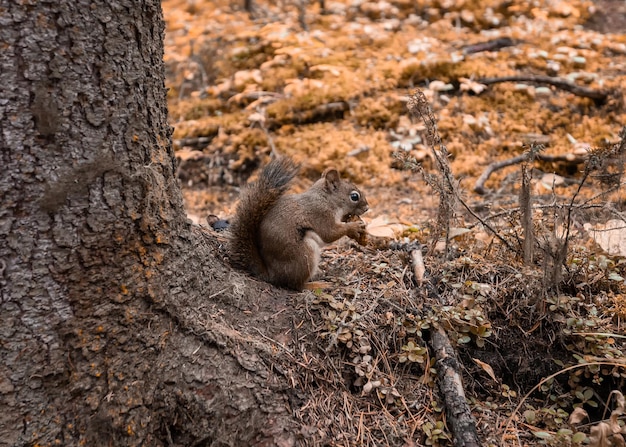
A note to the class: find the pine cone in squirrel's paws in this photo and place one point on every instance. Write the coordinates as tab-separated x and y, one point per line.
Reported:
362	237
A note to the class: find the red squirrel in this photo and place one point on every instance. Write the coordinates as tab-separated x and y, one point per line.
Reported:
278	237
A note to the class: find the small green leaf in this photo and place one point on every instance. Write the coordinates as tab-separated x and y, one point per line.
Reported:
416	358
464	339
542	434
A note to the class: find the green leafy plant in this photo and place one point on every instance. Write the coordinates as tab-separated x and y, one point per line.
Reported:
412	352
435	433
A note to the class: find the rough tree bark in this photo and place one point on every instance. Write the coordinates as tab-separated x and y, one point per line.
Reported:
107	332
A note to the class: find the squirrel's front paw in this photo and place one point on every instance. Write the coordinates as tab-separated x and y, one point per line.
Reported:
357	231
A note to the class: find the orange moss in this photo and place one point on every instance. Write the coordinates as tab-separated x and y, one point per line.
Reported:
368	64
373	113
245	142
194	108
364	157
208	126
446	70
274	79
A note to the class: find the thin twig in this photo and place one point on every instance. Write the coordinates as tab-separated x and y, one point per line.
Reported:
479	187
525	203
510	212
418	106
562	253
270	140
491	45
418	266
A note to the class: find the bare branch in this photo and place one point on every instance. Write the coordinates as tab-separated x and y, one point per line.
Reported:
599	96
479	186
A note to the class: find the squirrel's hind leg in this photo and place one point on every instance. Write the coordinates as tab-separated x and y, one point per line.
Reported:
296	267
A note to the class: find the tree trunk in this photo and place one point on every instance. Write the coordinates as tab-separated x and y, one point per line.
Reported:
117	324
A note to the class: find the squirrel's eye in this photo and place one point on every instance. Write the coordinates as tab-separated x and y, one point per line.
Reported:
355	196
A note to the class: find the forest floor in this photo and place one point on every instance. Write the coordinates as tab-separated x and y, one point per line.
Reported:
331	88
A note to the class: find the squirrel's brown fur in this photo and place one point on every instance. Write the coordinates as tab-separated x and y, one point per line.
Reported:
278	237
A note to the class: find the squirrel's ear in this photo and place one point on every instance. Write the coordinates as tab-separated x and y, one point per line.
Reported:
332	178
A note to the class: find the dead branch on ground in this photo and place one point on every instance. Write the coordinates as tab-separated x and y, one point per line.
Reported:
321	113
479	186
599	96
460	416
460	419
490	45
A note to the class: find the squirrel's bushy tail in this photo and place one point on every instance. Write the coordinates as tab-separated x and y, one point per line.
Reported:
256	200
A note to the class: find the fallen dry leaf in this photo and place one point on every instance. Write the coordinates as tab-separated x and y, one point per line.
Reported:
551	180
599	434
335	70
381	227
473	86
617	412
256	117
487	368
611	236
578	415
456	232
